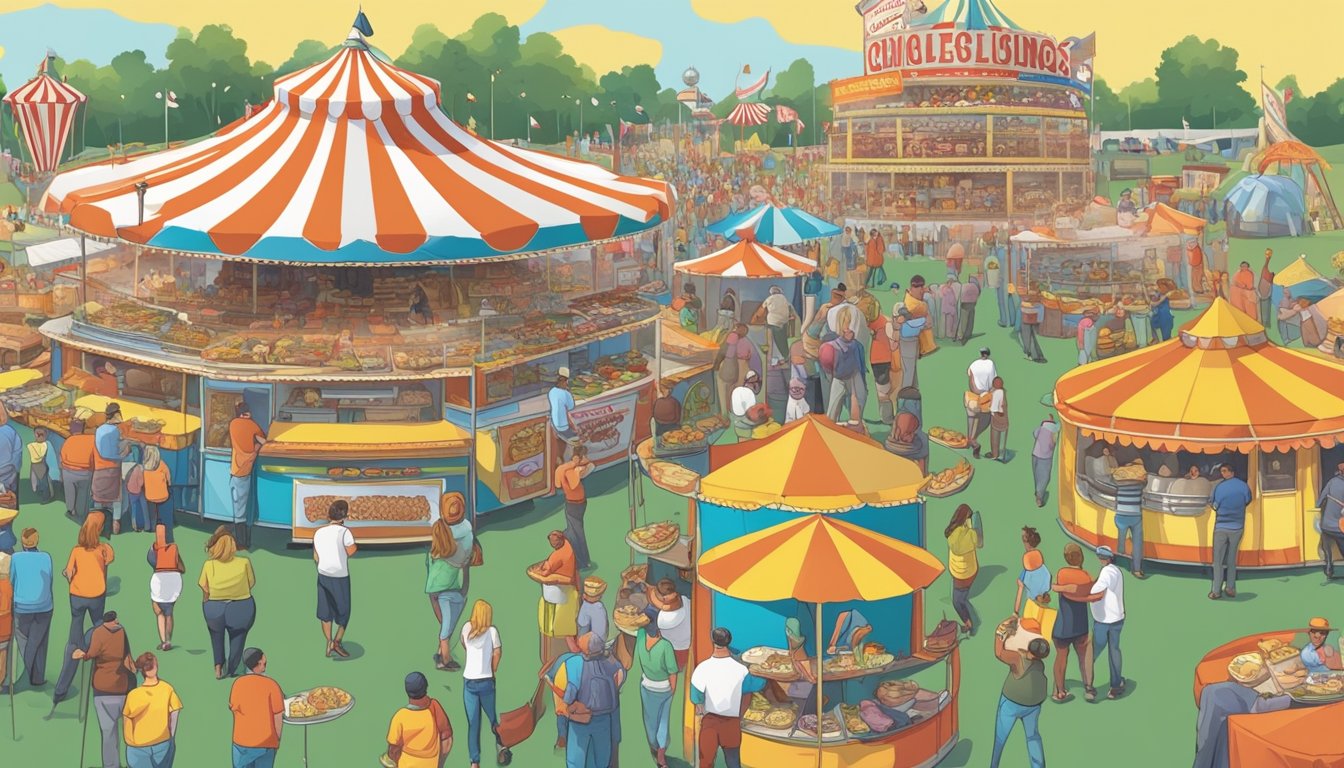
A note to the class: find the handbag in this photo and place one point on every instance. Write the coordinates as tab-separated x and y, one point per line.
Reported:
477	554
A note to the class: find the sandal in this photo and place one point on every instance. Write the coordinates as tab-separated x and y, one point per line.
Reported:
1090	693
1214	595
1061	696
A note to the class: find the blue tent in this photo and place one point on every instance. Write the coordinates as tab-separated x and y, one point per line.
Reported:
776	225
1266	206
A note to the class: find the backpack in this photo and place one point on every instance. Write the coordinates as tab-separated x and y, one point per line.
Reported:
597	685
846	363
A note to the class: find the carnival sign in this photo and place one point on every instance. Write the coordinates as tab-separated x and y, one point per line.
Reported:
992	52
606	428
852	89
881	17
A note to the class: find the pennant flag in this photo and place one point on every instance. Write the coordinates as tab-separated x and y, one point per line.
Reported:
1287	96
800	125
362	24
471	97
1185	124
753	88
1276	116
172	98
785	114
595	101
532	121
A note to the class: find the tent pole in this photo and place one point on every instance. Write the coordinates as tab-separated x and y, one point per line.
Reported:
254	289
820	646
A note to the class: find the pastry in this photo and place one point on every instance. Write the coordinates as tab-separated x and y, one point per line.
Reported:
656	537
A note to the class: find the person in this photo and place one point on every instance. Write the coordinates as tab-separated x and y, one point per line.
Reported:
420	305
717	687
658	669
1264	287
158	482
1312	323
107	382
970	294
592	618
908	440
333	546
1331	503
851	627
226	590
39	473
797	407
917	310
1126	211
1034	580
875	258
674	618
480	640
741	400
11	454
949	302
30	575
1318	656
109	450
258	708
688	307
561	402
557	613
1194	256
113	677
443	581
135	497
1243	291
1191	484
1044	439
998	421
666	410
592	699
963	564
727	309
453	510
150	716
165	583
420	735
994	281
1229	501
778	313
1129	522
569	479
812	288
1071	630
849	249
246	439
1028	319
847	376
1108	618
8	653
880	347
86	571
1086	333
980	375
1162	320
76	460
1024	691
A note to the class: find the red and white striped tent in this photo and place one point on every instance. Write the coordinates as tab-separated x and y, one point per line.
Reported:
749	113
748	258
353	162
44	109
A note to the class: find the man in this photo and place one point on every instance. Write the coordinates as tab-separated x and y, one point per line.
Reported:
845	358
30	573
1229	500
875	258
333	546
1264	288
732	365
717	687
113	677
420	735
980	375
39	472
917	308
1043	456
994	282
970	294
569	479
741	400
1024	690
1087	336
11	455
1243	291
1318	656
246	439
949	302
1194	256
880	358
109	450
1126	210
1108	618
1331	503
592	697
562	406
1129	521
778	312
592	618
258	707
77	470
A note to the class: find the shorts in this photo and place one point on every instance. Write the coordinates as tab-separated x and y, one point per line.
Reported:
333	599
1078	643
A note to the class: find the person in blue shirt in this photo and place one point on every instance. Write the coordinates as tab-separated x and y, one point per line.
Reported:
1229	500
593	698
110	449
561	403
30	573
11	454
1318	657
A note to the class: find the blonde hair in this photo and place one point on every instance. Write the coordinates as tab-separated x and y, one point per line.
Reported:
442	544
482	617
845	317
151	458
223	548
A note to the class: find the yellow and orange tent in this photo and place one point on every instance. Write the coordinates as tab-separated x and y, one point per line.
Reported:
1165	220
748	258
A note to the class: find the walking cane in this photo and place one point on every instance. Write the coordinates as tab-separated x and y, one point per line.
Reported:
9	680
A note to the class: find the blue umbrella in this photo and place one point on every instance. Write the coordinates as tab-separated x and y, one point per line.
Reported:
776	225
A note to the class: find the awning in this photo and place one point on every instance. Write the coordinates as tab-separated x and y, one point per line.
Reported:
54	252
747	258
776	225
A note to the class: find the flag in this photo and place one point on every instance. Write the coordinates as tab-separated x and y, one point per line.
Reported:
1276	116
1288	96
595	101
785	114
362	24
752	88
1081	53
532	121
800	126
1185	124
172	100
471	97
625	128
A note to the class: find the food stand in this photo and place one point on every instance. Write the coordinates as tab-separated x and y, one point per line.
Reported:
1270	412
393	326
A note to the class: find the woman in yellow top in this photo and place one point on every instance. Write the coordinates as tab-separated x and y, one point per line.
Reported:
226	586
86	570
150	718
963	538
420	735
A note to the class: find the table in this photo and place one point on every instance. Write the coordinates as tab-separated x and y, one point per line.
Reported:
325	717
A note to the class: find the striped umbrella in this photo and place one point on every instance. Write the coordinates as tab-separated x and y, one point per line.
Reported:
44	109
776	225
968	14
354	162
749	113
748	258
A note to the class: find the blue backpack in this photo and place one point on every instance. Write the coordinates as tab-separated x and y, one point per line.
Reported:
597	685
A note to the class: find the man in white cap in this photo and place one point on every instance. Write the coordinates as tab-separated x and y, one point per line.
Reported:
562	404
778	312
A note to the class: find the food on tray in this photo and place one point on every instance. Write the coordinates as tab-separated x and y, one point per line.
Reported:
414	397
950	479
127	316
400	509
895	693
830	726
1291	676
853	721
1269	646
327	697
874	660
417	360
780	717
948	436
1321	685
873	716
1134	472
635	574
673	477
1247	668
775	665
147	426
629	617
686	434
186	335
655	537
1283	653
300	709
527	442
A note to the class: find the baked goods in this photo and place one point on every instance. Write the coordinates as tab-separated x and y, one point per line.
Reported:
1247	668
655	537
776	666
896	693
853	722
1291	676
949	437
300	709
635	574
1283	653
780	717
1270	645
398	509
629	617
526	443
830	726
328	697
839	664
1322	685
673	477
950	480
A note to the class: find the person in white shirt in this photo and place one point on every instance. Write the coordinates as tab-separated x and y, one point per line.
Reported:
674	618
480	640
333	544
980	380
797	407
717	686
1108	617
778	312
740	401
981	373
998	421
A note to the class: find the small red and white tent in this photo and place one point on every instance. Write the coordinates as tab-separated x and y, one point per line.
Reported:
748	258
44	109
749	113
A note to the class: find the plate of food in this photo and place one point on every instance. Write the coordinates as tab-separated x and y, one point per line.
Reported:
830	727
948	437
760	653
655	538
776	666
952	480
1248	669
629	618
319	705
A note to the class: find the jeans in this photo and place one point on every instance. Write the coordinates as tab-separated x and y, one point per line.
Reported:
1132	524
877	277
1007	716
253	757
108	709
240	491
36	627
657	710
1030	346
1040	473
39	476
162	512
1106	637
841	396
451	602
93	606
1329	541
779	340
578	538
139	516
590	739
234	617
479	696
961	603
78	484
1001	296
1225	545
154	756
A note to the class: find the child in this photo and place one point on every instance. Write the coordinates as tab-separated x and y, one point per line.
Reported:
135	497
39	473
1034	582
158	482
797	407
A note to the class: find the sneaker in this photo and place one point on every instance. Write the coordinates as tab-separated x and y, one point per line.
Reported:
451	666
504	756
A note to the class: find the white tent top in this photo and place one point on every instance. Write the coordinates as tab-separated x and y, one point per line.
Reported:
54	252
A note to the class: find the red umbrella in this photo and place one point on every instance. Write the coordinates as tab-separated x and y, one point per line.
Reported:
44	109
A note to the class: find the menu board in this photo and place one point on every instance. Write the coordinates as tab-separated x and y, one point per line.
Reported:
606	427
522	451
413	503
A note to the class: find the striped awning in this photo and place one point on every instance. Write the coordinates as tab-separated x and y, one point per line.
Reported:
749	113
968	14
748	258
1220	386
44	111
776	225
353	162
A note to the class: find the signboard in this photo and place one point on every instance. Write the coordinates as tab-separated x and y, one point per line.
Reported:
865	87
607	427
883	17
522	451
968	52
408	504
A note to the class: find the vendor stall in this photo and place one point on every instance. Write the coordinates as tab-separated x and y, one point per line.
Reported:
1171	414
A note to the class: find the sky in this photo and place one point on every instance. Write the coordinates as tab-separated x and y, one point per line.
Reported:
717	36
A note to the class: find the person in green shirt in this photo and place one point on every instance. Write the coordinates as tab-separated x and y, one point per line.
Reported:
657	684
1024	690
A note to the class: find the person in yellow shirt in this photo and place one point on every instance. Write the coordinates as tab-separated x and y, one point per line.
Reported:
420	735
149	718
963	539
39	474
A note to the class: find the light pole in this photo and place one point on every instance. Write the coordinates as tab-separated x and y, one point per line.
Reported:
214	101
121	142
558	137
522	96
492	103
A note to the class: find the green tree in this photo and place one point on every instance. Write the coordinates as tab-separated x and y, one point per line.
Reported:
796	87
1140	103
200	68
1108	109
306	54
1201	81
1320	117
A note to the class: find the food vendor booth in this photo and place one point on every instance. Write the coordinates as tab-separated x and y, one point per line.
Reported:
1220	393
390	295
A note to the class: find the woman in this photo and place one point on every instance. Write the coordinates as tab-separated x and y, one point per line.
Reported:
657	685
86	570
226	588
963	538
688	308
1161	318
908	440
158	480
674	618
443	580
1290	320
998	420
1071	630
149	718
135	498
875	255
481	641
165	584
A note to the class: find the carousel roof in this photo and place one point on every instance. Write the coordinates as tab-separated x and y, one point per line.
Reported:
1220	386
775	225
968	14
748	258
353	162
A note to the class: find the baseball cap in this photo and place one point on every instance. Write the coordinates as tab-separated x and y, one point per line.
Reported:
1105	553
984	350
563	371
416	685
753	376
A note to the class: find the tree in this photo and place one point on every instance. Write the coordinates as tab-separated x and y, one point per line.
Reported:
1109	112
1142	110
306	54
1199	80
1320	117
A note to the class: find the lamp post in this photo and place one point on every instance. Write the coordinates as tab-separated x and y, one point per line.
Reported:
121	142
492	103
522	96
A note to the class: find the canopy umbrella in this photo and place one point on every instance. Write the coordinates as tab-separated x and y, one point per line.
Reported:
750	259
775	225
1313	167
44	109
1165	220
1303	281
749	113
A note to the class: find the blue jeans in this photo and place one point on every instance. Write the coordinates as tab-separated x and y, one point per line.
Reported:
1004	720
1133	525
1015	312
1106	637
154	756
253	757
592	738
479	696
79	606
657	709
139	518
451	602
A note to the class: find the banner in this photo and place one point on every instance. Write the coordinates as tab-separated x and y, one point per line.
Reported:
968	52
785	114
881	17
607	427
865	87
522	452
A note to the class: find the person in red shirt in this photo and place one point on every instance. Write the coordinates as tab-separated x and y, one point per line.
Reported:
881	360
1194	256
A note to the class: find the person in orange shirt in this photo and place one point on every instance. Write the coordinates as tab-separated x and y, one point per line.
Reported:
1071	630
6	618
569	478
1243	291
158	482
77	470
1195	257
882	362
86	570
245	439
558	611
420	735
258	707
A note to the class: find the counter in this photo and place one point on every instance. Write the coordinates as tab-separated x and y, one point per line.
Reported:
178	432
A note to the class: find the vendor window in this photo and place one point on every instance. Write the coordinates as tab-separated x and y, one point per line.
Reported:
1278	471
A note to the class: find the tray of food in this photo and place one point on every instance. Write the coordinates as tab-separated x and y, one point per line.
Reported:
759	654
948	437
381	509
768	718
845	665
673	477
831	728
320	705
629	618
655	538
636	574
952	480
776	666
1320	688
896	693
1249	669
854	724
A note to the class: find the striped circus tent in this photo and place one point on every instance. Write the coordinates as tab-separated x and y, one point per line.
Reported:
1220	386
44	110
776	225
748	258
353	162
967	14
749	113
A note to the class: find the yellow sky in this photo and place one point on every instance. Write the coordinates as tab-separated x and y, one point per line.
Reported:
606	50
